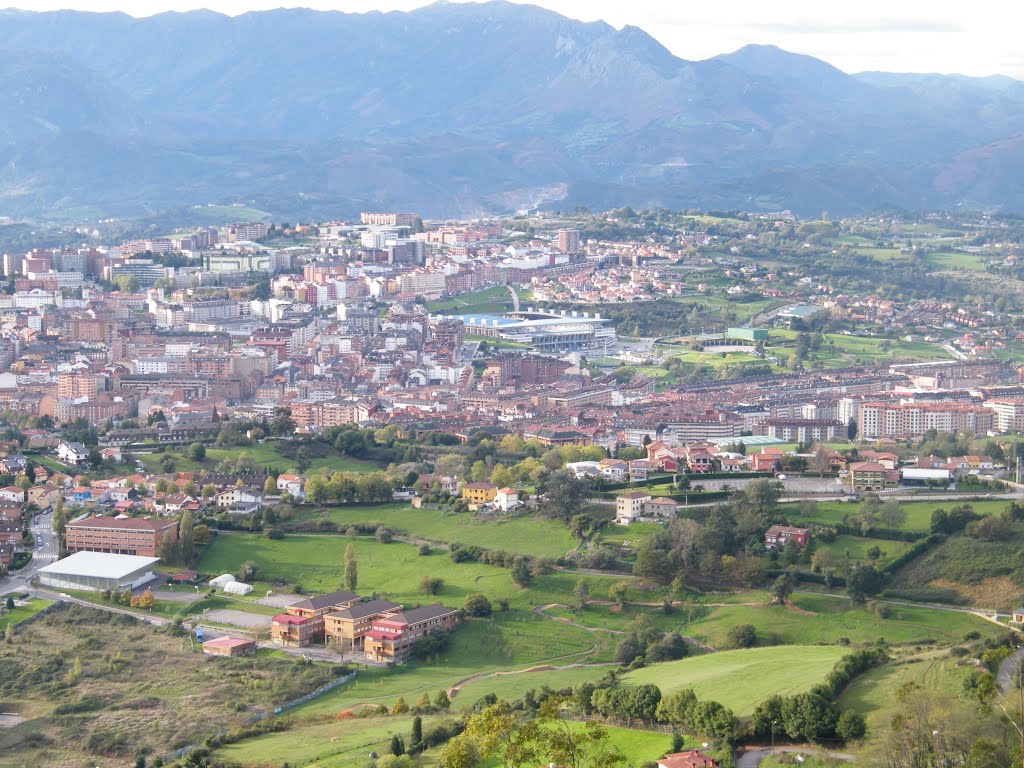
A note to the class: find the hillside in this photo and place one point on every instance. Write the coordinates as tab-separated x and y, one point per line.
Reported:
466	108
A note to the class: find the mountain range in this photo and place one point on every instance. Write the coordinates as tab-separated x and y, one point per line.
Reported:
461	109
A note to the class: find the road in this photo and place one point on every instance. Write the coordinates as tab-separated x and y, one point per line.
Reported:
1007	670
44	553
751	757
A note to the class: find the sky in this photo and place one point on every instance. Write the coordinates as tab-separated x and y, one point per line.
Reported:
973	38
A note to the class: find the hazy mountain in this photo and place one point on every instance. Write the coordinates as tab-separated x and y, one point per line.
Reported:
465	108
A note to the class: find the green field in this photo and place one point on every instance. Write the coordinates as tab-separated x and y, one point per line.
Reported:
919	513
741	679
490	300
855	548
506	641
512	685
525	535
825	619
21	612
871	694
263	455
331	743
814	618
395	570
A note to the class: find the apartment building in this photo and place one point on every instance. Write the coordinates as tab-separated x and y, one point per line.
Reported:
119	535
347	628
1008	414
908	420
803	430
391	638
303	623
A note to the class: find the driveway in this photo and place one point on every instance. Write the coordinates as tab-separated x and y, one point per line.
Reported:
250	621
752	756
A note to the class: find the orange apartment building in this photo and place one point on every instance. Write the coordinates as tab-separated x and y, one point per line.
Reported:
392	637
119	535
304	621
347	628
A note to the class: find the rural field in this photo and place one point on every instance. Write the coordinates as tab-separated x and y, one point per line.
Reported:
741	679
394	570
523	535
264	455
919	513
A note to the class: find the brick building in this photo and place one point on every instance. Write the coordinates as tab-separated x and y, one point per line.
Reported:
119	535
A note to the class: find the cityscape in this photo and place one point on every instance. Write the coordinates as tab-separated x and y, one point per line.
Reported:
507	392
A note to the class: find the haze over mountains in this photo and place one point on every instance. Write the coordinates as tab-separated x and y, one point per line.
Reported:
456	109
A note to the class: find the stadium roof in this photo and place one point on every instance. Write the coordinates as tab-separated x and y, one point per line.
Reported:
99	565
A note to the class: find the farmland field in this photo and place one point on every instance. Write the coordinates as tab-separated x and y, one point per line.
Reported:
855	548
264	455
524	535
395	570
919	513
740	679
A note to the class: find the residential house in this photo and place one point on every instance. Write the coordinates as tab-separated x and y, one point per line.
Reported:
73	453
44	496
886	459
507	499
582	469
240	495
693	758
629	507
698	458
768	460
113	455
391	638
778	535
11	531
13	493
661	508
14	464
663	456
479	493
614	470
733	465
293	485
639	470
871	476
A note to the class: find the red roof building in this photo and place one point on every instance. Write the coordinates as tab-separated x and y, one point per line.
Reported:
693	758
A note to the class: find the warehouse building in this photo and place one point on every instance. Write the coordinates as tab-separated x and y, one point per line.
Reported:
96	571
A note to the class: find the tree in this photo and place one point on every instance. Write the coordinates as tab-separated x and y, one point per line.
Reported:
397	745
269	486
742	636
185	533
866	511
808	716
351	568
249	571
851	726
618	592
209	491
863	582
59	522
762	495
572	745
501	733
783	588
892	515
581	595
197	452
563	495
399	707
316	490
441	701
477	605
431	585
23	482
521	572
416	734
460	752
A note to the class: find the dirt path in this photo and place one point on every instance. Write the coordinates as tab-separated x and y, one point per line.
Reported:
541	610
751	757
1007	670
454	690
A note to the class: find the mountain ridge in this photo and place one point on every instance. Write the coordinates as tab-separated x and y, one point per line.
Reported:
414	108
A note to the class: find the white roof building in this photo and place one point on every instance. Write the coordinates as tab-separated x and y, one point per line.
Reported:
95	571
